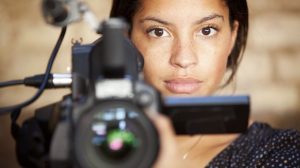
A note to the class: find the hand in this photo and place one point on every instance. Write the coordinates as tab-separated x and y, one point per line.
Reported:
169	155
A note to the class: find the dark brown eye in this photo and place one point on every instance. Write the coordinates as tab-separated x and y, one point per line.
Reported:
158	32
206	31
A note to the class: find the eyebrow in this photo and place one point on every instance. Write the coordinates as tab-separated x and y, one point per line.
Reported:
210	17
164	22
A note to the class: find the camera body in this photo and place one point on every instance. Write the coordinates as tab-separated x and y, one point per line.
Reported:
109	107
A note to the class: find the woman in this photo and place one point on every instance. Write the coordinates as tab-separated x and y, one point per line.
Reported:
188	46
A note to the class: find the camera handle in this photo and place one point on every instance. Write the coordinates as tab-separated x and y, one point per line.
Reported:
29	138
34	136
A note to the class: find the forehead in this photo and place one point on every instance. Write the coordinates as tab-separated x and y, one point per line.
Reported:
182	9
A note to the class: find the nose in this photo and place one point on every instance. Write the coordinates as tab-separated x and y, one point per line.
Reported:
183	54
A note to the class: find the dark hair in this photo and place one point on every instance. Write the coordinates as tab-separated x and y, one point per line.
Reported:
238	11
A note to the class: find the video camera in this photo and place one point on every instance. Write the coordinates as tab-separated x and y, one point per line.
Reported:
104	122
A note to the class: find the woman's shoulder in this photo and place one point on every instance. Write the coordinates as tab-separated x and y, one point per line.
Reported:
272	147
264	133
261	146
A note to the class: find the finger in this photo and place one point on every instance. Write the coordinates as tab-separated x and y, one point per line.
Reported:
164	126
168	147
166	135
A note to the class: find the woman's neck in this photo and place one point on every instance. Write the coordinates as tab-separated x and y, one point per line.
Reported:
201	149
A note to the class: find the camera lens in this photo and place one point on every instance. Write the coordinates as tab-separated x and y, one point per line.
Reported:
115	143
115	134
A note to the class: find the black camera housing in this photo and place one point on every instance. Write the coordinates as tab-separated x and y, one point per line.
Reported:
108	99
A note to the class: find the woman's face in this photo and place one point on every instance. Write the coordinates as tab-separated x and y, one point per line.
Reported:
185	44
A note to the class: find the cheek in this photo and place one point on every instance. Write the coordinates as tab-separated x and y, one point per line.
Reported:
219	69
213	59
155	58
155	63
213	68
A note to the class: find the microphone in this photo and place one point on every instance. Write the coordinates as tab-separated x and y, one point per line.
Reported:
64	12
61	12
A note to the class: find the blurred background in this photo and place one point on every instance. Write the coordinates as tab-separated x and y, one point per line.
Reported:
269	73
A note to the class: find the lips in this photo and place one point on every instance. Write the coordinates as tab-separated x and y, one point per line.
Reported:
183	85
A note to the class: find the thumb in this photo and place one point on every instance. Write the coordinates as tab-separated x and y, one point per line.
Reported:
164	127
168	147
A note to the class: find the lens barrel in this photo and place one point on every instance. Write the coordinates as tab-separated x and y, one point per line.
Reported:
115	133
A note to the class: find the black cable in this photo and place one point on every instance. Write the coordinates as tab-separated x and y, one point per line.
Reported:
57	80
6	110
11	83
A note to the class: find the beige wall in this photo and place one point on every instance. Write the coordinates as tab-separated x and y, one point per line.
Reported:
270	71
26	42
